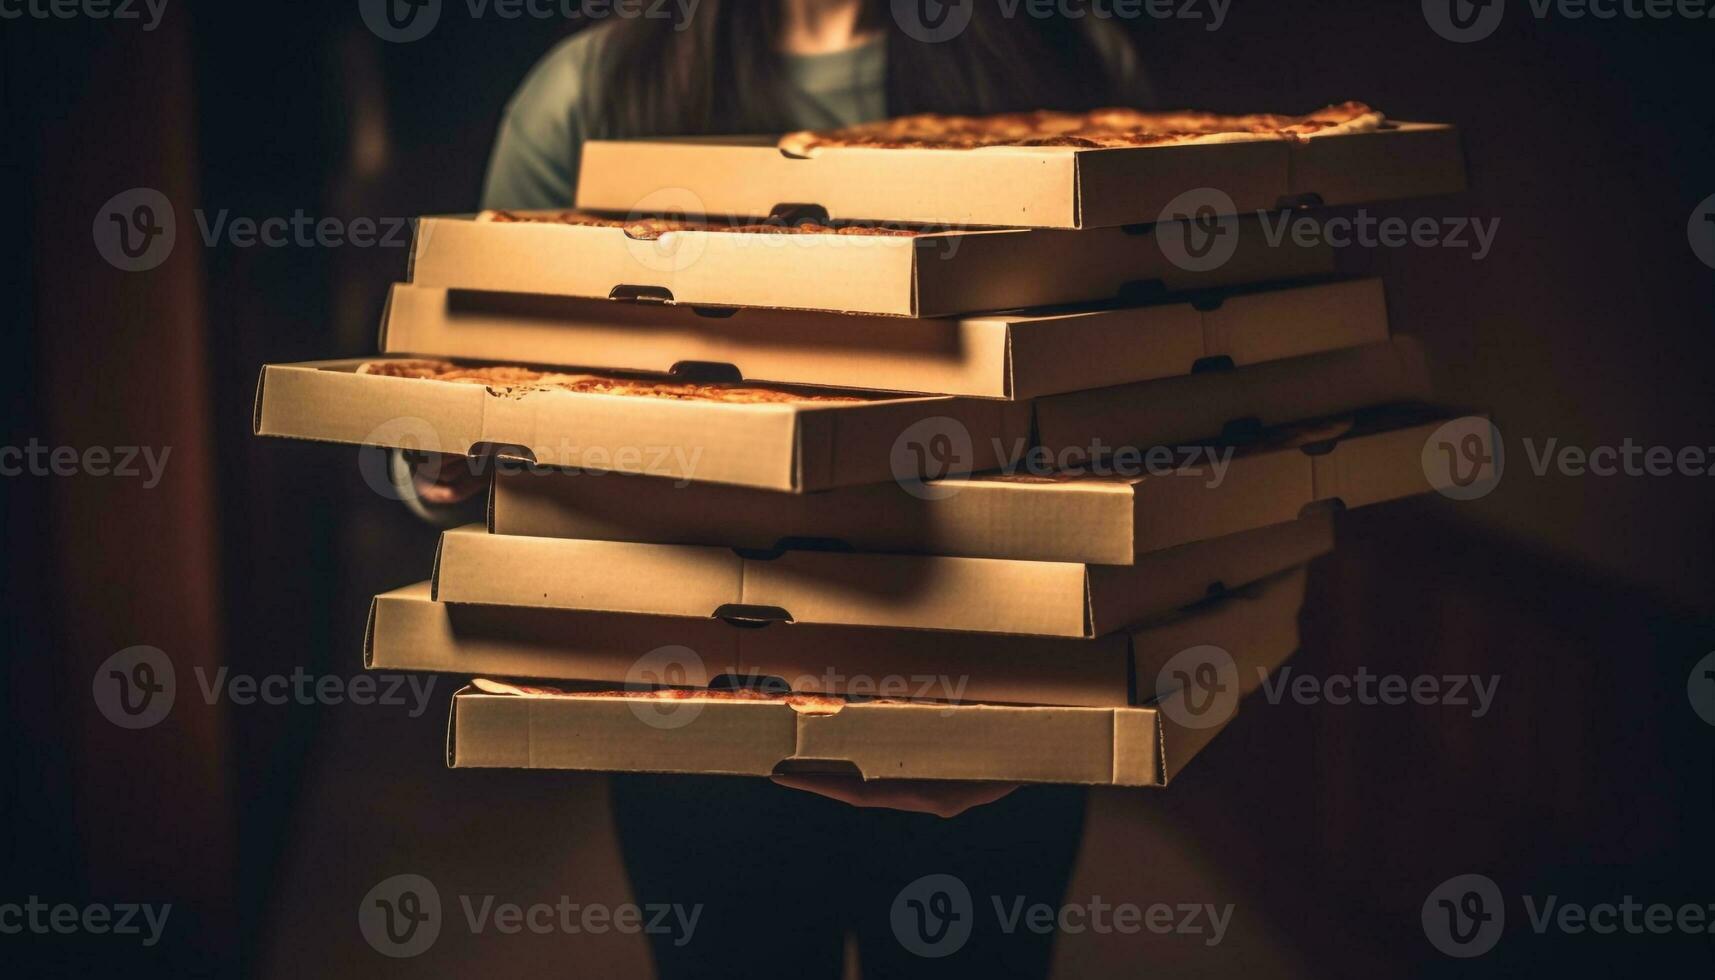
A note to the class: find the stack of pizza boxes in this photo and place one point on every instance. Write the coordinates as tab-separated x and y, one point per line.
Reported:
1022	489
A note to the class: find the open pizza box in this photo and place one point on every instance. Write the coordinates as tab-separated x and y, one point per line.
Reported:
808	446
930	274
1349	461
1012	356
926	592
1031	187
408	630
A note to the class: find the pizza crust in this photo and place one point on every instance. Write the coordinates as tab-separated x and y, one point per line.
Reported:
1097	129
510	381
823	702
649	229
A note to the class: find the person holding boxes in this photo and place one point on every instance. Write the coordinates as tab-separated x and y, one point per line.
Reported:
784	876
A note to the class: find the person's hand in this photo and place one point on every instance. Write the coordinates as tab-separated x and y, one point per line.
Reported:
943	799
441	480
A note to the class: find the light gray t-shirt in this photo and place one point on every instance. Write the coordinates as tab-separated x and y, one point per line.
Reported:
535	159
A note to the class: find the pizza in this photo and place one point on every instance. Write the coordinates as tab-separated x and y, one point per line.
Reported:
1096	129
649	229
822	701
519	380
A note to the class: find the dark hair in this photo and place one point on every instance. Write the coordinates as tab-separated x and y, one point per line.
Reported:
717	71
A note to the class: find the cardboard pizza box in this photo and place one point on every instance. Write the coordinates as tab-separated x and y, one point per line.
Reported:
408	630
933	274
1012	356
873	740
926	592
791	447
1033	187
810	446
1347	462
1176	411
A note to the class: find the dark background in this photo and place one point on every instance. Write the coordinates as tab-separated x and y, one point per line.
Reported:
1590	598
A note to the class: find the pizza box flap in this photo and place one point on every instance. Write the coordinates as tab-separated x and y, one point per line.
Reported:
983	595
1348	462
876	740
933	274
1181	411
1257	625
1359	460
1042	187
1012	355
791	447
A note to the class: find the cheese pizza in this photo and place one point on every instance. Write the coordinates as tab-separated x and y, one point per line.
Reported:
1097	129
648	229
519	380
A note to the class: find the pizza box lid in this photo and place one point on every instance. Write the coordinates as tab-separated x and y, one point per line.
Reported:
873	740
1191	409
1350	461
1008	355
925	592
408	630
790	447
936	273
1031	187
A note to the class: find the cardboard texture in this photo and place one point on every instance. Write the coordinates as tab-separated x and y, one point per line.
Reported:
877	740
820	446
1013	356
1046	187
930	275
984	595
1179	411
1352	461
408	630
791	447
